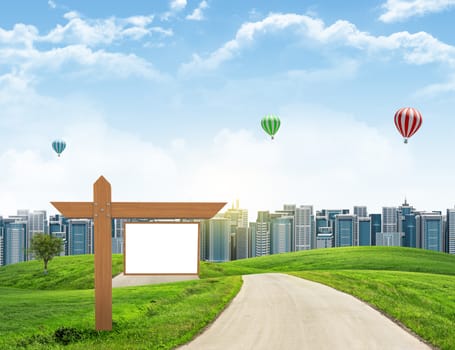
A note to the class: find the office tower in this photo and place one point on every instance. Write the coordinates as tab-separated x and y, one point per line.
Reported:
80	236
409	230
219	244
303	227
360	211
324	238
430	231
262	233
451	231
364	231
118	226
389	219
389	239
281	231
2	255
14	241
237	218
58	227
242	247
376	224
252	231
345	230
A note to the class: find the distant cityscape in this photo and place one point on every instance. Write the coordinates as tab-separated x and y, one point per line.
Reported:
229	235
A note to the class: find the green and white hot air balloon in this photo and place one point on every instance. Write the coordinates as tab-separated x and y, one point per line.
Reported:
271	123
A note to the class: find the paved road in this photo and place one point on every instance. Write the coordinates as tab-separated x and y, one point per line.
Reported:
122	280
282	312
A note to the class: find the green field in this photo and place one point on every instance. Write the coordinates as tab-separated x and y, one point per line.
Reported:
55	311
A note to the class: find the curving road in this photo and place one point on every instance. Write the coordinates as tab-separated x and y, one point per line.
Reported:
282	312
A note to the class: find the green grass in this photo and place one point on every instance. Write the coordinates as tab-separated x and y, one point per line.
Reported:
145	317
41	311
351	258
423	302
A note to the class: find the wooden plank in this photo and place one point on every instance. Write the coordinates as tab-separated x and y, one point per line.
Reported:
166	210
75	210
103	254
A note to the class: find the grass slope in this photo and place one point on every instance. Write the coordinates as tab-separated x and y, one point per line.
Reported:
413	286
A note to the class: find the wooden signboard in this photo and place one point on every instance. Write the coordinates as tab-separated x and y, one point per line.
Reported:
102	210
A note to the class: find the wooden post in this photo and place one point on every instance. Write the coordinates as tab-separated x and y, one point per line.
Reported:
102	211
103	253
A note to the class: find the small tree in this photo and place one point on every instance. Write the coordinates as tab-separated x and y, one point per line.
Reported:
45	247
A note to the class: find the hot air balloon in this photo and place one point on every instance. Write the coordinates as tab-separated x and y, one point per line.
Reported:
271	123
408	120
59	146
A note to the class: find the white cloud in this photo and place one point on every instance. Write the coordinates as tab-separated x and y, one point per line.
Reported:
94	32
399	10
52	4
437	89
178	5
197	14
417	48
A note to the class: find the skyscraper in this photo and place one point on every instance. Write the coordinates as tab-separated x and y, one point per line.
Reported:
360	211
303	227
80	236
219	239
430	231
262	234
281	231
389	219
364	230
451	231
14	241
376	224
345	230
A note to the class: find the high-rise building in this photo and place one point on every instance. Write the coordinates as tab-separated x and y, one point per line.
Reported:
252	230
242	247
345	230
324	238
118	226
360	211
80	237
409	230
219	245
389	219
262	234
450	231
376	224
364	231
303	227
58	227
281	231
430	231
14	241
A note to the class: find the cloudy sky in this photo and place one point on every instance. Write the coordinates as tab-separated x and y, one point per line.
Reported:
165	98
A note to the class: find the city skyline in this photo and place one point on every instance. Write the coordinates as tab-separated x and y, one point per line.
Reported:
165	100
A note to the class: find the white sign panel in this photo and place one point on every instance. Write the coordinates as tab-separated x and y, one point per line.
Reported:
161	248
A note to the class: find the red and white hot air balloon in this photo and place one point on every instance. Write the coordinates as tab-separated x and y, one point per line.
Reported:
408	120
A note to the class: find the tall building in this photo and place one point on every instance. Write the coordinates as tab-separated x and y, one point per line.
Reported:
262	239
242	248
238	218
345	230
360	211
324	238
364	231
80	237
450	231
389	219
303	227
117	235
58	227
14	241
219	245
376	224
430	231
281	231
252	230
2	255
410	230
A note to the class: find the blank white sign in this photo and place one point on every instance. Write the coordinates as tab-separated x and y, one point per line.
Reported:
161	248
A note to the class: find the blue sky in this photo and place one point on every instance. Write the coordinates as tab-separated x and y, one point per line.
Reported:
165	98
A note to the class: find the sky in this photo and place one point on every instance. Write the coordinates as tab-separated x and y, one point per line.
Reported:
165	99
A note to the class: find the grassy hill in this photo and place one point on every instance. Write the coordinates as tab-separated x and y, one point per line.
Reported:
413	286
